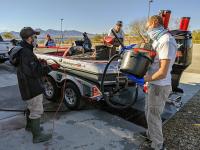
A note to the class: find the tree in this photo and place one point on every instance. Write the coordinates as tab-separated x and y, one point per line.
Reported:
97	38
174	23
196	36
137	29
8	35
70	40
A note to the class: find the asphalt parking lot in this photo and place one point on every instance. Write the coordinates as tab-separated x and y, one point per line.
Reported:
88	129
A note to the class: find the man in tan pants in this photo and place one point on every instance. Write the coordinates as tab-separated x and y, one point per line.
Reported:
30	72
159	79
35	106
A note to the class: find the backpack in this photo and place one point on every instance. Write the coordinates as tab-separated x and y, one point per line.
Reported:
14	58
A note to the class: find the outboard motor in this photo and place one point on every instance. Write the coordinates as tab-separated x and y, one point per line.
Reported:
183	38
184	52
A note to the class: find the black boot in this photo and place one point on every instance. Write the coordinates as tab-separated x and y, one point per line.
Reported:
28	122
38	136
144	134
164	147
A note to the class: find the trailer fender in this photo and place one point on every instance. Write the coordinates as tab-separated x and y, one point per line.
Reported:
75	81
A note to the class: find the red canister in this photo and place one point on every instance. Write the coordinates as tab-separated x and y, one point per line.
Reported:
165	14
184	23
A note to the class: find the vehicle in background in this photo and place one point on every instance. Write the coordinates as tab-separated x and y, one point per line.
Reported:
5	46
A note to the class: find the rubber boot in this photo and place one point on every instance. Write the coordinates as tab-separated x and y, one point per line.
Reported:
28	122
38	136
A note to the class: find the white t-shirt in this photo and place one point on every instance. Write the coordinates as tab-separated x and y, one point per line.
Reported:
166	48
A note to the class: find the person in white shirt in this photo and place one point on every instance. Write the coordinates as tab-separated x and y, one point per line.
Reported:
159	79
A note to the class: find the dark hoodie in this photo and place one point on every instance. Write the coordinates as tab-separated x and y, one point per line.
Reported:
30	72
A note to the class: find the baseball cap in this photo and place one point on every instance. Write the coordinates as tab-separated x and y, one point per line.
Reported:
26	32
119	23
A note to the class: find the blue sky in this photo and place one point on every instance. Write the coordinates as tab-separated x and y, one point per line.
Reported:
94	16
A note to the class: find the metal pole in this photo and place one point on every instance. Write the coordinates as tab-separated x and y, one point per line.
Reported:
61	23
150	1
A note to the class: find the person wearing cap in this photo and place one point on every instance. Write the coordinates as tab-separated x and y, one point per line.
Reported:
30	72
49	41
118	30
159	79
87	44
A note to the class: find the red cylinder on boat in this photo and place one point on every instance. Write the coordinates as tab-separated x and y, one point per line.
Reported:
184	23
108	40
165	14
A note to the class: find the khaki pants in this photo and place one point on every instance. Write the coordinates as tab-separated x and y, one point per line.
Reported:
154	106
35	106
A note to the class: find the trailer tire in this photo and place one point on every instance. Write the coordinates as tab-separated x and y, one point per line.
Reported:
72	97
53	92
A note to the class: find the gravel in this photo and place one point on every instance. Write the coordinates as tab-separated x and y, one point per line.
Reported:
182	131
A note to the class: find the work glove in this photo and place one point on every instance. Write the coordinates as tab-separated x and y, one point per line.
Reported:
139	81
145	88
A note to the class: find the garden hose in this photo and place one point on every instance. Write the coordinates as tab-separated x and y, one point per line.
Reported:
108	99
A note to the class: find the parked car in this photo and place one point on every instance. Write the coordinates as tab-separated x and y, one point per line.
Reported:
5	46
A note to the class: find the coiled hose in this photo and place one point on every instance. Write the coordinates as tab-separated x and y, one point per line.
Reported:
108	100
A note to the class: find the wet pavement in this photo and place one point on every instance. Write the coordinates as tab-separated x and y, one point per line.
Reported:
82	130
89	129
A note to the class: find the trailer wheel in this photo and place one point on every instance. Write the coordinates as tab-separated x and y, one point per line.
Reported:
52	92
72	97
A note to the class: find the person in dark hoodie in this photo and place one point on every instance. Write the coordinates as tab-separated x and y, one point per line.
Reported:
30	72
1	39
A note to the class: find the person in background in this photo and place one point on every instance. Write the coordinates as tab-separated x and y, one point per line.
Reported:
49	41
30	72
87	44
159	79
14	42
118	30
120	34
1	39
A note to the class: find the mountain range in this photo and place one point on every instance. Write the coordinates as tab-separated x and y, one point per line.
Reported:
54	33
